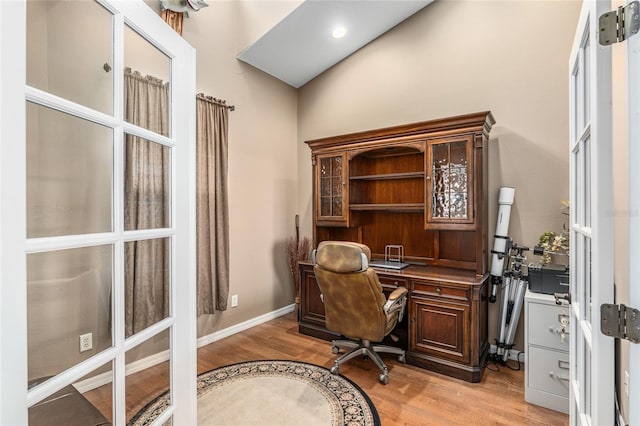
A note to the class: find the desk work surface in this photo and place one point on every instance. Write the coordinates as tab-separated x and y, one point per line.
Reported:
435	273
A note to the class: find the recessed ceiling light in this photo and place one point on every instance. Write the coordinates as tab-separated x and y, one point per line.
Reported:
339	32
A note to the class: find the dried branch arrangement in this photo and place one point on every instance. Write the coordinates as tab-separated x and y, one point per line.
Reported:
297	251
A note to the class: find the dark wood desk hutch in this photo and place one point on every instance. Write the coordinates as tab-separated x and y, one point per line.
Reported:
424	186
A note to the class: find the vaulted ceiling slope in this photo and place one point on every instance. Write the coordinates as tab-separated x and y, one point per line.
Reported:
303	44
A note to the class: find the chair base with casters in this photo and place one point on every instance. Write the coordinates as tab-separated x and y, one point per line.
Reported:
366	349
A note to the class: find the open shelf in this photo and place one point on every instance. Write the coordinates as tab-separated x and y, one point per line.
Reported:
389	176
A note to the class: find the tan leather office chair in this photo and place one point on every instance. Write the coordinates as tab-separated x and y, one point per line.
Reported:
354	303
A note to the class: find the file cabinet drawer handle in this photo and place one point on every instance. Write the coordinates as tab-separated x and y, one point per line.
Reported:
557	377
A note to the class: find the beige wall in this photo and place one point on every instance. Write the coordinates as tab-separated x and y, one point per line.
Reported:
458	57
262	156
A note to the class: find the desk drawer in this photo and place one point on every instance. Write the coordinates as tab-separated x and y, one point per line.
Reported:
392	282
440	290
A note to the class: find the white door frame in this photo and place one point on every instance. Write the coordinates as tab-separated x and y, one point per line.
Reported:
14	398
633	97
591	353
13	224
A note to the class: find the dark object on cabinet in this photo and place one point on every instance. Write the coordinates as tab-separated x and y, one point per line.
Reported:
548	279
424	186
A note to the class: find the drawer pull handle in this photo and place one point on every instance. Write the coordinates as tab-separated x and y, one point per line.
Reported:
557	377
439	290
563	364
559	330
395	283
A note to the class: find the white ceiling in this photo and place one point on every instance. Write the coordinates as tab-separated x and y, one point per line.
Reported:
300	47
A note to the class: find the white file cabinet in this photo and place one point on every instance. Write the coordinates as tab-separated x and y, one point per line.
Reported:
547	352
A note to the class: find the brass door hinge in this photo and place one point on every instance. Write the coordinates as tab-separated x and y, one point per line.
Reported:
620	321
620	24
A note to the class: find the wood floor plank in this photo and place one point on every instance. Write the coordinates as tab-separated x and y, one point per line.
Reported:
413	397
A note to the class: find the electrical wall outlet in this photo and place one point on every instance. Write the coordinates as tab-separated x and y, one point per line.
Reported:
234	301
86	342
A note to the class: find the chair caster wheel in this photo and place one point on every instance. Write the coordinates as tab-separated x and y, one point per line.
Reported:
335	349
384	379
402	358
335	369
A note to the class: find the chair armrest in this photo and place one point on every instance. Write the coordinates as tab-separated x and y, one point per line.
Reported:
396	302
398	293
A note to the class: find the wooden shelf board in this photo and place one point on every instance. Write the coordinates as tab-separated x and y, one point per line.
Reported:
413	207
389	176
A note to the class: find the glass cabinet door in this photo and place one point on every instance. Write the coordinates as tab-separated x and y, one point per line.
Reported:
332	187
449	183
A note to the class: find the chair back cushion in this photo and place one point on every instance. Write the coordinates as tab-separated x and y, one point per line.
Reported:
353	297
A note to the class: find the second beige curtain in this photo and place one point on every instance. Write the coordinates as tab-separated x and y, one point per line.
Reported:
212	219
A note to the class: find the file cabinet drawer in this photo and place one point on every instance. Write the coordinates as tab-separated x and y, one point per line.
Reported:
548	371
547	329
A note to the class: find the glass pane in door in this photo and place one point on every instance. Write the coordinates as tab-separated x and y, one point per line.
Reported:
147	388
588	305
586	196
85	402
69	51
69	174
69	295
449	170
146	184
586	77
587	379
147	283
331	169
147	84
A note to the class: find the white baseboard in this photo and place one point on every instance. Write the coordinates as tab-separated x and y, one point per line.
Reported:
131	368
229	331
513	353
141	364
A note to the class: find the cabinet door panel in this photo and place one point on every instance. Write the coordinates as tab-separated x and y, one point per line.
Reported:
311	306
332	190
440	329
449	183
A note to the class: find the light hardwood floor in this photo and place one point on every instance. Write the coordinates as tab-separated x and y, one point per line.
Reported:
413	396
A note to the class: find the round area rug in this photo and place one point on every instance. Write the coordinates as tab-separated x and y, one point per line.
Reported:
277	393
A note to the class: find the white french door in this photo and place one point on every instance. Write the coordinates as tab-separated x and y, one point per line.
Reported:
591	228
66	246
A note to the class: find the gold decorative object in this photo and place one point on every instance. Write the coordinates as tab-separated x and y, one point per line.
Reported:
174	11
174	19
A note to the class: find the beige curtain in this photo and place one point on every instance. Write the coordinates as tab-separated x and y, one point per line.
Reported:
146	203
212	206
